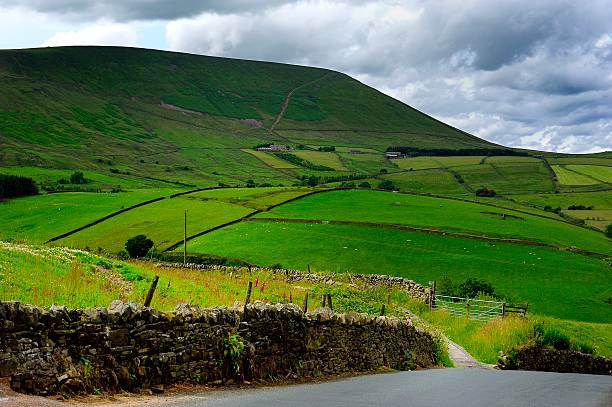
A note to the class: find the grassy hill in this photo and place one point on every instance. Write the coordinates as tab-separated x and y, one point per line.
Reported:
181	117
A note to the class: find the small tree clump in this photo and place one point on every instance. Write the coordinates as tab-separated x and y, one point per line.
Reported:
486	192
77	177
138	246
609	230
387	185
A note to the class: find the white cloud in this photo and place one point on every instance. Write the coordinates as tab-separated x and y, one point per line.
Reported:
102	33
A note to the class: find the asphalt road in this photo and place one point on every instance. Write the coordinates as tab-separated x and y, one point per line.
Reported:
436	388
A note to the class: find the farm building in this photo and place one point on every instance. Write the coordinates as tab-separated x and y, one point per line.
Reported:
355	151
274	147
393	154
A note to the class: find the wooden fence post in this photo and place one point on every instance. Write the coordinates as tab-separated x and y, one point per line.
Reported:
308	265
306	302
151	291
467	309
329	302
323	301
382	310
389	299
432	300
503	309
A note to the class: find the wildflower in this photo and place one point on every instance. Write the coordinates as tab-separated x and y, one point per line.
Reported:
263	286
290	298
256	282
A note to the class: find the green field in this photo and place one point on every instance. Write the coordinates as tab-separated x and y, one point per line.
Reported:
426	181
270	159
327	159
444	214
36	219
599	200
523	273
161	221
568	177
508	178
600	173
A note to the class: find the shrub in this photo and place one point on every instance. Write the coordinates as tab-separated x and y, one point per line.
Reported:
383	171
250	184
473	287
138	246
486	192
579	208
387	185
365	184
77	177
12	186
555	338
609	230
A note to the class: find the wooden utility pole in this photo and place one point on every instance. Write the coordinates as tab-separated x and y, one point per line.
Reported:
382	310
185	239
151	291
329	302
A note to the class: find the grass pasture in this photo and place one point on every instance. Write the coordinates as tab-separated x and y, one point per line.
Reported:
599	218
255	198
508	178
417	163
599	172
598	200
435	181
327	159
35	219
161	221
523	273
366	163
270	159
444	214
568	177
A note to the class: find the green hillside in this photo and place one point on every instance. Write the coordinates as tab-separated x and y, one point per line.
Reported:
181	117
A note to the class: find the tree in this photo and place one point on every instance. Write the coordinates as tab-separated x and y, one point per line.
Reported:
471	287
387	185
77	177
365	184
609	230
250	184
313	181
12	186
486	192
138	246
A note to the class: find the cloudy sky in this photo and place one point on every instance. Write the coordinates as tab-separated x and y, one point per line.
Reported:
525	73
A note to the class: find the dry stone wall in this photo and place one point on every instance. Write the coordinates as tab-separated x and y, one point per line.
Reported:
550	360
412	288
128	347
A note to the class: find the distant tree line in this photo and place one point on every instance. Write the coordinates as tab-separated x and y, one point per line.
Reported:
294	159
13	186
327	148
415	152
314	180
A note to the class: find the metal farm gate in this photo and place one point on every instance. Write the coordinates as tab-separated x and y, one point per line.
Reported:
470	308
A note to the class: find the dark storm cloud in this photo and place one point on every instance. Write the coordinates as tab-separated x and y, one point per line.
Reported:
129	10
